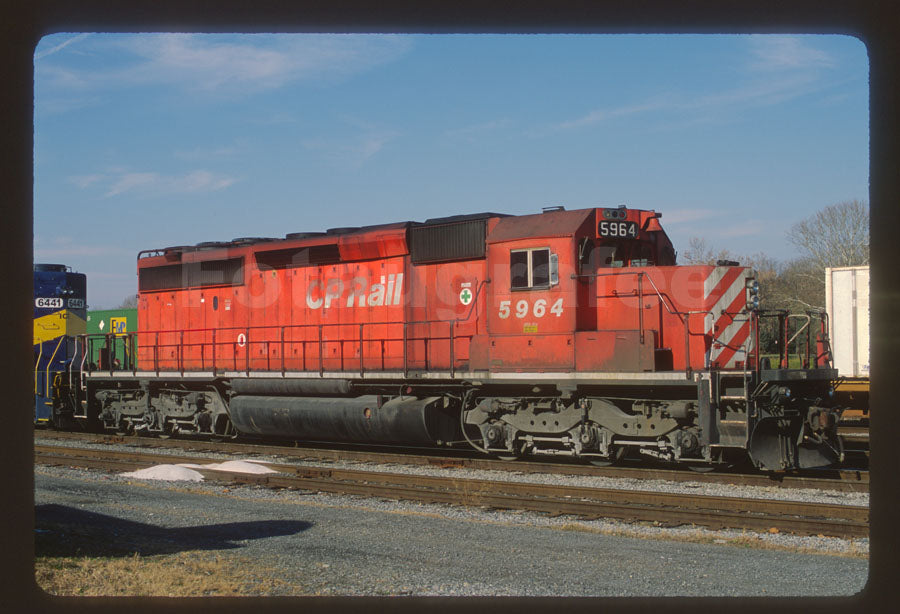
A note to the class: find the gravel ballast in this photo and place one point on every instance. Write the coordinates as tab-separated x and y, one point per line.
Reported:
695	488
339	545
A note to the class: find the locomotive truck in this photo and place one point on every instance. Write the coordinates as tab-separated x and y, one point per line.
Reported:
559	333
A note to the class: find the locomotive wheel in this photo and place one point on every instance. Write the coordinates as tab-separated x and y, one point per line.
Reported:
506	457
718	464
515	455
617	455
168	432
702	468
60	421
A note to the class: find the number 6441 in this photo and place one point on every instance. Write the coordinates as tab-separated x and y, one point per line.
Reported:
538	310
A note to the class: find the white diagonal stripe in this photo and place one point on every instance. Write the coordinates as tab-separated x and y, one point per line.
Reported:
726	336
727	297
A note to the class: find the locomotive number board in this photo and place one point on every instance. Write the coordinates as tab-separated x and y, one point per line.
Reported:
621	230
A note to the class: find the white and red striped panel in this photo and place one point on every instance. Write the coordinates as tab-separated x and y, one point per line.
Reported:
728	323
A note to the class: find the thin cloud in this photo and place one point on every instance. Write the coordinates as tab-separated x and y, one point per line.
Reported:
62	45
471	133
118	182
754	95
83	181
761	94
772	53
600	115
274	119
354	150
747	228
209	63
683	216
67	248
200	181
208	152
781	69
130	181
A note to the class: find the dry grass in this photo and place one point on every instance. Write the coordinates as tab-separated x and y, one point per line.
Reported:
747	539
185	574
86	560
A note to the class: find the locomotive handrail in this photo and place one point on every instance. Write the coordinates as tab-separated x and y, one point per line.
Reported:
803	327
37	363
180	346
474	302
84	342
640	274
50	362
684	316
784	316
72	362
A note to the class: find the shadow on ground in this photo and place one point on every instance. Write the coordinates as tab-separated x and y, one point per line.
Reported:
63	531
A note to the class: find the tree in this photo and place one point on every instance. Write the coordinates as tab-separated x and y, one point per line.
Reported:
836	236
699	252
130	302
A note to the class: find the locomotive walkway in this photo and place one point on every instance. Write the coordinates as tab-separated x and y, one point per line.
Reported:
590	503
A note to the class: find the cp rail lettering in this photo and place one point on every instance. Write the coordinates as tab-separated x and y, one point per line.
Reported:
359	292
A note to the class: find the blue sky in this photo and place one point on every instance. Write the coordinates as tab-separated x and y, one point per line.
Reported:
145	141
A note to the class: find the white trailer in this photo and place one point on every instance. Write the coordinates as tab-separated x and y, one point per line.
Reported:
847	304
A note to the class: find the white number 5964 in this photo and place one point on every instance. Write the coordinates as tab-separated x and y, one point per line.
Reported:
538	310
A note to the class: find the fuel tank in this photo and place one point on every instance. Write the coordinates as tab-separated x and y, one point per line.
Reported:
407	420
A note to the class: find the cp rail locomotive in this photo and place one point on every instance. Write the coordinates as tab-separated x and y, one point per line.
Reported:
561	333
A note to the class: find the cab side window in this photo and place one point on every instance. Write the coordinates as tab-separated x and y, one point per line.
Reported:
532	268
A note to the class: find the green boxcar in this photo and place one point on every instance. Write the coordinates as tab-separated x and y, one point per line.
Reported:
118	322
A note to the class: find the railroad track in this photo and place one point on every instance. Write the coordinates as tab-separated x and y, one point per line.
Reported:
855	434
837	480
589	503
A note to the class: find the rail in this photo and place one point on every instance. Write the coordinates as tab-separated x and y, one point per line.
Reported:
589	502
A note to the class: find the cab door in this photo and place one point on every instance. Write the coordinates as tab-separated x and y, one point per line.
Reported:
532	307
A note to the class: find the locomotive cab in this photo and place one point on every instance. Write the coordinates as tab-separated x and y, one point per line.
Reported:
626	239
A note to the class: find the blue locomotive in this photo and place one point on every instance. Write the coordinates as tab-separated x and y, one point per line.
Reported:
60	313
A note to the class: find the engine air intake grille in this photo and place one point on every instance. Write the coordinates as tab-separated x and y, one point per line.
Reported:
299	256
455	241
227	272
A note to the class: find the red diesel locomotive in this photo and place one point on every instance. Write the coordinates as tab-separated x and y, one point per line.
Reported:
566	332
